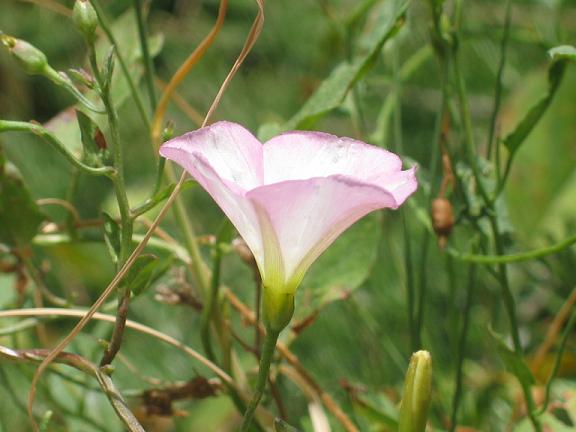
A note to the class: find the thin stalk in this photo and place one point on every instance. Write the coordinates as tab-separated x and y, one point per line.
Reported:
197	265
268	348
148	64
398	144
462	346
414	339
208	311
468	134
36	129
500	73
133	91
514	258
510	306
124	208
257	301
422	286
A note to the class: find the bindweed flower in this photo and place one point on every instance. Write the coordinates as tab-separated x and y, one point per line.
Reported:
291	197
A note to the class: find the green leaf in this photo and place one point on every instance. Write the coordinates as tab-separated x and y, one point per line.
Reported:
20	216
334	89
343	267
92	154
512	361
112	236
108	69
146	269
560	56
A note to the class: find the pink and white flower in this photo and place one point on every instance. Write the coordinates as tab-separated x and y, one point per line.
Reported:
292	196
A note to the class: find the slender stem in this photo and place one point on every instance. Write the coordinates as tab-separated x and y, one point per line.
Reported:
414	339
500	73
462	346
197	265
507	295
513	258
257	309
422	286
118	156
148	64
135	95
510	306
208	311
36	129
468	134
124	208
268	348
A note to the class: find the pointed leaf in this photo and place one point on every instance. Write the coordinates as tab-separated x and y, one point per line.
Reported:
146	269
333	90
560	56
112	236
512	361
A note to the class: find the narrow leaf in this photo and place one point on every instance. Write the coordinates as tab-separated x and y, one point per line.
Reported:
112	236
333	90
560	56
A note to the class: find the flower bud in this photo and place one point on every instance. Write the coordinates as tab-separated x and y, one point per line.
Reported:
168	131
30	58
85	19
417	392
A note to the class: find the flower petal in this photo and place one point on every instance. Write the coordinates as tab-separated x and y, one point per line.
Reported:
232	151
228	195
308	215
301	155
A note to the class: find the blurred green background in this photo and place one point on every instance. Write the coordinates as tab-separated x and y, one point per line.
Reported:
359	344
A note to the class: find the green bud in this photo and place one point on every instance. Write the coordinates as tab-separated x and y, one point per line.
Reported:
30	58
168	131
278	308
417	392
85	19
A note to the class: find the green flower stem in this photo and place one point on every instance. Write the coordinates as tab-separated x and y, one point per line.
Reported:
508	297
265	359
461	354
197	265
37	129
212	298
498	88
148	65
514	258
123	206
510	306
135	95
118	156
410	295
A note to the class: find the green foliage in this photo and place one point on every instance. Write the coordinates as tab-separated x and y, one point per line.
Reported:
20	216
379	71
561	57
